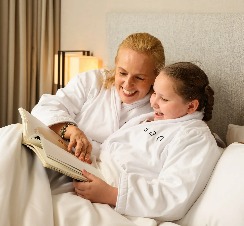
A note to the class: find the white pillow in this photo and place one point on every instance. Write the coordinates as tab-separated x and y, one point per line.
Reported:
222	202
235	133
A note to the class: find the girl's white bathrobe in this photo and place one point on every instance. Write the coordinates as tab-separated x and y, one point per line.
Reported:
160	167
97	111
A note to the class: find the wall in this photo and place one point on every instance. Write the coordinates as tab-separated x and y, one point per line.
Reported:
83	22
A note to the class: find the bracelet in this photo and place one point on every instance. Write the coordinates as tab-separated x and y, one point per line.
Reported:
63	129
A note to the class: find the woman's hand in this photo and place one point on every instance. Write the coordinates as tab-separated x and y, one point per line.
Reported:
77	141
96	190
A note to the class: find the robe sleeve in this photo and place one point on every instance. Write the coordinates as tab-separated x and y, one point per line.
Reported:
68	101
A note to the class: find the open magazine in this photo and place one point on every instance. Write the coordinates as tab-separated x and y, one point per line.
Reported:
51	149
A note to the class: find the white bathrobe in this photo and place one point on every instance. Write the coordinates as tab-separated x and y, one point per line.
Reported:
97	111
160	167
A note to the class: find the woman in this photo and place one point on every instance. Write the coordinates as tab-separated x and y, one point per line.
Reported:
158	164
95	104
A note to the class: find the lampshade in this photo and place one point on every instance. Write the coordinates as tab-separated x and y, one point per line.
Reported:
71	63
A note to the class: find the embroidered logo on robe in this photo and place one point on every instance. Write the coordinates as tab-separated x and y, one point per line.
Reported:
153	133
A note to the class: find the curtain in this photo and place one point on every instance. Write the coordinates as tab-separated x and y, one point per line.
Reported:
29	34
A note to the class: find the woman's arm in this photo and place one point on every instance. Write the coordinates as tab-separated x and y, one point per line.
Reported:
77	140
57	110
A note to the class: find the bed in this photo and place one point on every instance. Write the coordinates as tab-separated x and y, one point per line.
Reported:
215	42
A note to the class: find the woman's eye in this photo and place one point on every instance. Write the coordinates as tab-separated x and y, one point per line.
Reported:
139	78
123	73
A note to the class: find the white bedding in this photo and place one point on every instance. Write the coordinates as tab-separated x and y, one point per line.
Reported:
31	195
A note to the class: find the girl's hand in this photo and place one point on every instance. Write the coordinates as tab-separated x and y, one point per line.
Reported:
96	190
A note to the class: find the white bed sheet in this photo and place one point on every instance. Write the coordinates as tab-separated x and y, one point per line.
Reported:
31	195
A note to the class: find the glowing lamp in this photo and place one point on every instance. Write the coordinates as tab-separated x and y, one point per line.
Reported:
70	63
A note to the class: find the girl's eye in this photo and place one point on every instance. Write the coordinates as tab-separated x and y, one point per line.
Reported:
164	99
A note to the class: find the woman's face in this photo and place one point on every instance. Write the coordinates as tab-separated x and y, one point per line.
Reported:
134	75
166	103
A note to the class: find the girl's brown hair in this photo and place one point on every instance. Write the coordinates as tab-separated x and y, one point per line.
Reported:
192	84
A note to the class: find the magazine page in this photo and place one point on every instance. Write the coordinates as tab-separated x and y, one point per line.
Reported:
67	159
30	123
54	165
53	137
33	127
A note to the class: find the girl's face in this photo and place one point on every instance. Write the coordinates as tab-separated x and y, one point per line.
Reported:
166	103
134	75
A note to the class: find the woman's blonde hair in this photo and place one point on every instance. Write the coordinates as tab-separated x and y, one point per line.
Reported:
142	43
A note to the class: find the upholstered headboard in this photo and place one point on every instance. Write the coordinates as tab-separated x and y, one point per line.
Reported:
214	41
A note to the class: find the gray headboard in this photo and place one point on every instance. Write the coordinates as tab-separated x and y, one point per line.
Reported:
215	42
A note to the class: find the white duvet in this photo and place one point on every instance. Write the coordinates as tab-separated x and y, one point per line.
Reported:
31	195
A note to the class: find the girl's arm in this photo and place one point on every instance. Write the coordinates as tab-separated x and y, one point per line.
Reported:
96	190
